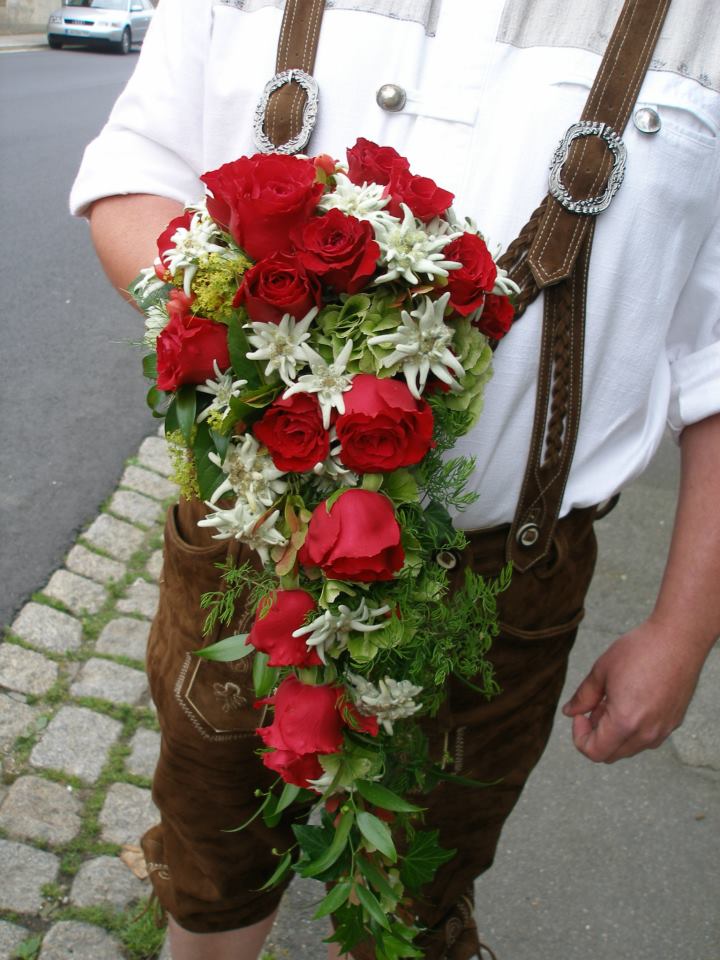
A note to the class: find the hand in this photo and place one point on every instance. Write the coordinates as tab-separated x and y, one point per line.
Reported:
635	695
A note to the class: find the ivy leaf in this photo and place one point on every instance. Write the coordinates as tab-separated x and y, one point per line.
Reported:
422	859
231	648
439	524
186	406
155	399
377	834
312	840
171	420
336	898
380	796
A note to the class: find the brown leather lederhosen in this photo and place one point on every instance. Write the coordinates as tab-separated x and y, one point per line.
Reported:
209	879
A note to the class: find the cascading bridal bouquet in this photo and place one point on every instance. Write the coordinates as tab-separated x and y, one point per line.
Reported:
319	338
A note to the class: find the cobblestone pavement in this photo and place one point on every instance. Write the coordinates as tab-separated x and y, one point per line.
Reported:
79	738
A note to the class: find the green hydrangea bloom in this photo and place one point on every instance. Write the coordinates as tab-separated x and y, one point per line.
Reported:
473	351
359	317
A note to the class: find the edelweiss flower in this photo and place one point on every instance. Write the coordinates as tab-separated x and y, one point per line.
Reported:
281	344
422	346
408	249
191	244
389	700
239	522
366	202
251	475
330	629
328	380
504	285
222	391
148	281
330	472
156	319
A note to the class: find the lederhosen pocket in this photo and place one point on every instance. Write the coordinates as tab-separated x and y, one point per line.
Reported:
215	698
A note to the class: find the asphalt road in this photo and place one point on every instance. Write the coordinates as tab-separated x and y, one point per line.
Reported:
71	389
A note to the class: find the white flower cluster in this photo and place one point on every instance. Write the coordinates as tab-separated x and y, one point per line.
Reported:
388	700
333	629
191	244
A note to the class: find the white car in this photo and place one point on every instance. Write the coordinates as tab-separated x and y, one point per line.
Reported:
114	23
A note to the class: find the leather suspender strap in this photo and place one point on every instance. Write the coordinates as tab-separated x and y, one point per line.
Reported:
287	111
553	253
589	162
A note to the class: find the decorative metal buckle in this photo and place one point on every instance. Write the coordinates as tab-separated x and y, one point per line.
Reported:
592	205
297	143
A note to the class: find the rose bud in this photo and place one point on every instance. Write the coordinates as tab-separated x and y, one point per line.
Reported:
260	199
277	616
384	427
306	718
476	276
188	346
296	768
340	249
369	163
357	539
278	285
424	197
293	432
496	317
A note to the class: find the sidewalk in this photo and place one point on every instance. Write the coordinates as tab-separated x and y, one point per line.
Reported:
11	42
612	863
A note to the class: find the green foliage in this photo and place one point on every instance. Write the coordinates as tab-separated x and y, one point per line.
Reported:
422	859
29	949
243	584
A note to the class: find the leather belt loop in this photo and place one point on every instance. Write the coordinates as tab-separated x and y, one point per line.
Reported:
562	233
285	109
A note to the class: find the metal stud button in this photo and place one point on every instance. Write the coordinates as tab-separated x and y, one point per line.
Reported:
447	559
647	120
391	97
528	534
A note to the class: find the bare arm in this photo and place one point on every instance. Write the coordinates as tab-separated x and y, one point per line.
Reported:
124	230
639	689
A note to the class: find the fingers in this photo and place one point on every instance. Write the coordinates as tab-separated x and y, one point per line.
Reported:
588	695
603	742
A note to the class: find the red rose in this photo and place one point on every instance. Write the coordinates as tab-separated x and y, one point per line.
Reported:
340	249
293	432
295	768
278	285
369	163
188	345
260	199
306	720
164	241
357	539
384	427
496	317
476	276
424	197
277	616
356	720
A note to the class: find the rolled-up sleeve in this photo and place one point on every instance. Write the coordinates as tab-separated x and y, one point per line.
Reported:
694	341
152	140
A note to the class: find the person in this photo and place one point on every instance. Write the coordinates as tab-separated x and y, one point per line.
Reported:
485	92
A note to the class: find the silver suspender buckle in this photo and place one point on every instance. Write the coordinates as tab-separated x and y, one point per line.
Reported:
591	205
297	143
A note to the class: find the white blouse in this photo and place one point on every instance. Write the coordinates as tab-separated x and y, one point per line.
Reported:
491	88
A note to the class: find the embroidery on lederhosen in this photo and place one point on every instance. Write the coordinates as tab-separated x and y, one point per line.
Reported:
425	12
687	46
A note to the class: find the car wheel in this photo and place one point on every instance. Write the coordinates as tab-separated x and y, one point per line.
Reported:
55	43
125	42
